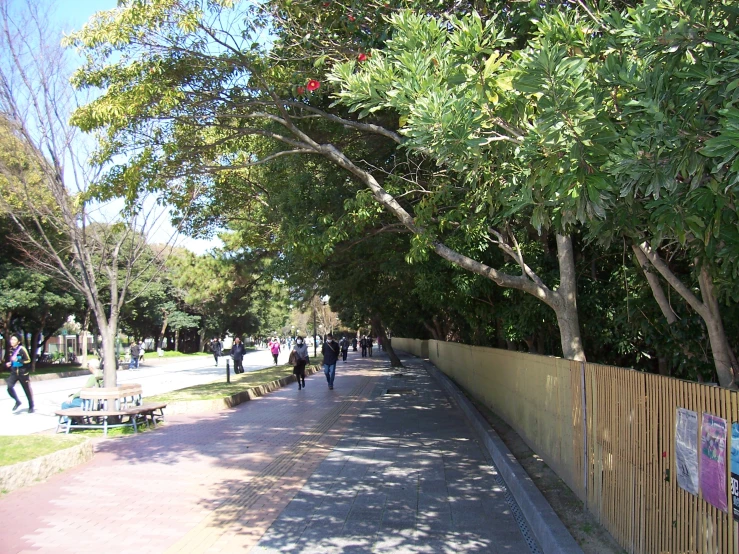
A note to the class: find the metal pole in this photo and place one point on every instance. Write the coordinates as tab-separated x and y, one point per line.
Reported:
228	370
315	346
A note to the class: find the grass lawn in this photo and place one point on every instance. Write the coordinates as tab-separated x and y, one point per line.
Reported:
174	354
59	368
219	389
23	448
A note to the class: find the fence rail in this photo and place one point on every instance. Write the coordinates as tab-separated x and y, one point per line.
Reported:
609	433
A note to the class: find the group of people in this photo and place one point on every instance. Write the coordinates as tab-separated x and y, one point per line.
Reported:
238	351
331	351
136	353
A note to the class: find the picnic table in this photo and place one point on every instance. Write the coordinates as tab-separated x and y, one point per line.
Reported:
107	408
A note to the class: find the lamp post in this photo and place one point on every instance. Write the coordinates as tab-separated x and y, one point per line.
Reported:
315	343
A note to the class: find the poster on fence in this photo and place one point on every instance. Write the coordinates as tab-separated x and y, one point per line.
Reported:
735	468
686	449
713	461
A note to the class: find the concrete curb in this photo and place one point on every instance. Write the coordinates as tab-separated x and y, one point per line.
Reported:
218	404
551	534
30	472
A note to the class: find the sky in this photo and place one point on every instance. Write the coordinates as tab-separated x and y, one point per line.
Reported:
72	15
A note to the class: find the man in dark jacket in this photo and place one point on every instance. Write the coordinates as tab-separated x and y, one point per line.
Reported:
344	344
237	353
135	351
330	351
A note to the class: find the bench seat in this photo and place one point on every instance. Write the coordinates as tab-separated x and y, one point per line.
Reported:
101	405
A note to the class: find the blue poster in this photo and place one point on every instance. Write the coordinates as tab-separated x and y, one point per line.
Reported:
735	468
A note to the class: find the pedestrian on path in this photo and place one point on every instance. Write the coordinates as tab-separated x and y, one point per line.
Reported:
300	353
134	355
344	344
238	350
274	348
142	351
330	351
18	363
354	344
369	345
217	348
363	346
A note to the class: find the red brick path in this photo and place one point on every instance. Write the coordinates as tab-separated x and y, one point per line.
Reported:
203	483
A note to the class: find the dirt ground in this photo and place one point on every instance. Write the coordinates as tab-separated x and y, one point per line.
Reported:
588	533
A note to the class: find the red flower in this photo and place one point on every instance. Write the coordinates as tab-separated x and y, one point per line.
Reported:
362	57
313	85
352	18
301	90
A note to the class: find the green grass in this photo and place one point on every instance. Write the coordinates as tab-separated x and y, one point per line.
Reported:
23	448
48	369
174	354
219	389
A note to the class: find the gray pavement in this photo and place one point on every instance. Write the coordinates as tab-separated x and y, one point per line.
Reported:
409	476
156	376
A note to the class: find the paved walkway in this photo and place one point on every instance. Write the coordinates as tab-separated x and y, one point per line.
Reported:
349	470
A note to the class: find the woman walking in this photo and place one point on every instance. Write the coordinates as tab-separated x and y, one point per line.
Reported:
19	371
300	350
274	348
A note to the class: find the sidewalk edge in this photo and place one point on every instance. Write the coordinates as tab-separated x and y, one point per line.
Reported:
551	534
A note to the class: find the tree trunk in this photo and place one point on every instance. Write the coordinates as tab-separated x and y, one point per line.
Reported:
177	340
163	331
107	333
663	366
379	330
708	309
723	355
201	337
566	306
655	286
531	343
85	327
432	330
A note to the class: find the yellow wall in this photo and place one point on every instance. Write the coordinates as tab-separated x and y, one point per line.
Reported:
608	432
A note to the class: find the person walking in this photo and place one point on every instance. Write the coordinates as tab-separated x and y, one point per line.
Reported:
369	345
217	348
354	344
274	347
363	346
134	355
18	364
330	351
300	351
238	350
344	344
142	351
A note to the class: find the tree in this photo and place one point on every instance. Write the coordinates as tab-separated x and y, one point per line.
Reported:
264	99
49	186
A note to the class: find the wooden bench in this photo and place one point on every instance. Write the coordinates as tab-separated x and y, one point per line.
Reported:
104	408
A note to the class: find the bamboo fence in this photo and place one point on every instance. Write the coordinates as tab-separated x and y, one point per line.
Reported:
609	433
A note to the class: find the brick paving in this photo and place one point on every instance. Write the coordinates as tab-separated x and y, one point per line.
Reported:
348	470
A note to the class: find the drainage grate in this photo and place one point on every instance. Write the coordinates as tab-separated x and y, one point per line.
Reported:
398	392
518	516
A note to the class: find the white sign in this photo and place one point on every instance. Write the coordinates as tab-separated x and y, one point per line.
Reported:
686	449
